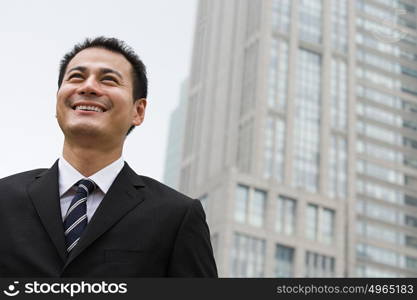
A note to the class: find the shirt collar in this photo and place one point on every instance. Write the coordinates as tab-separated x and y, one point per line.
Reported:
104	178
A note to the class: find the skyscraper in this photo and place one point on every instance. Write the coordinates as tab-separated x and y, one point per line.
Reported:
173	153
301	136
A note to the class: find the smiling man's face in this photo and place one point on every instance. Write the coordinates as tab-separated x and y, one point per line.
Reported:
96	96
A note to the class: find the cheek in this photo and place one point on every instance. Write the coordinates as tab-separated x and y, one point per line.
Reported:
123	102
64	92
60	97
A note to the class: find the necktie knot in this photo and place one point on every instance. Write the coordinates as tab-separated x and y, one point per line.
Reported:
85	186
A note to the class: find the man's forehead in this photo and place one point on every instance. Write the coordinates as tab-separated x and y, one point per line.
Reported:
100	58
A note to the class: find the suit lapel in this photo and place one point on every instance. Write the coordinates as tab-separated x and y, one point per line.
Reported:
44	194
121	198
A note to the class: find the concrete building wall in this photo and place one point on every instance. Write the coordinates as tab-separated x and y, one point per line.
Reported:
283	104
175	142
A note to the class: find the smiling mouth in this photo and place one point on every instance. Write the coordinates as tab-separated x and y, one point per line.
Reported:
88	108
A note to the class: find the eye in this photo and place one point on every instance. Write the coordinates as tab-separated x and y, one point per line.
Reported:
75	75
109	78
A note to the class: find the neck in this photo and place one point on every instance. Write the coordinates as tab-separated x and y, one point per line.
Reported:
89	160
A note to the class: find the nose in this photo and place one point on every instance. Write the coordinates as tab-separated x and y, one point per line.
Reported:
90	87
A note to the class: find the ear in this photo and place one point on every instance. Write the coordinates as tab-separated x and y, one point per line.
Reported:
139	107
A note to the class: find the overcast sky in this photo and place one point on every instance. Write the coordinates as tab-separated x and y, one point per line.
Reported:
34	35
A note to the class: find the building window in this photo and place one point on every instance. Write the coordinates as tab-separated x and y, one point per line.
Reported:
312	222
318	265
339	94
380	172
377	78
327	226
379	97
378	191
408	88
410	181
370	272
281	15
378	232
409	125
339	25
410	200
279	149
242	196
310	20
284	261
377	211
380	255
410	221
250	206
407	142
372	42
411	241
278	79
380	115
379	27
384	135
378	61
286	215
338	167
320	224
269	147
247	256
307	121
411	263
257	208
379	152
274	149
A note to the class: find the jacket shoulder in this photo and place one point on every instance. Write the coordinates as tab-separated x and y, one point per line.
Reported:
21	178
164	193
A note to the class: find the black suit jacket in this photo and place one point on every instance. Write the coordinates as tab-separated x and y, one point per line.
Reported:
142	228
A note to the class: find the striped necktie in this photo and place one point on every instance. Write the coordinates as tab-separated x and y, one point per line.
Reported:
75	220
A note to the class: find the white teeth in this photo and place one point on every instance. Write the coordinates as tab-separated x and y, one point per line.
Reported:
88	108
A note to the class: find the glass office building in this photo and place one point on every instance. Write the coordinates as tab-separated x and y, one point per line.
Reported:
301	136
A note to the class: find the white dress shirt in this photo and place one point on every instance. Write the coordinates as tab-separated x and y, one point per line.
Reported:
68	176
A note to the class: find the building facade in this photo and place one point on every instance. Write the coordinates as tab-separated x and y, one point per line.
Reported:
301	136
173	152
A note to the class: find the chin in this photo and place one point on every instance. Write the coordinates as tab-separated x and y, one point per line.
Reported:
83	131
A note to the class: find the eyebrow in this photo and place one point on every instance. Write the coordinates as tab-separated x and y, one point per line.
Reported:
107	70
102	70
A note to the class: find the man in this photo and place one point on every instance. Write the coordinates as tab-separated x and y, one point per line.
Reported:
90	214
